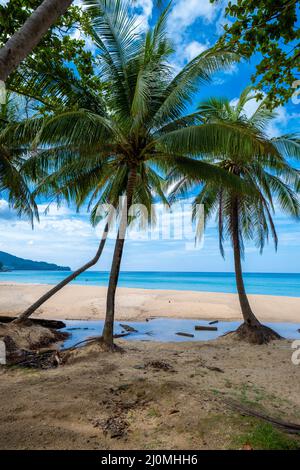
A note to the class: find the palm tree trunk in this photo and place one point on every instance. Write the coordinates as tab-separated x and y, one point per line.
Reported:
251	330
247	312
23	317
108	329
21	44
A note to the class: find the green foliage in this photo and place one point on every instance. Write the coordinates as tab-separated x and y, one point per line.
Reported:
272	29
267	172
85	151
12	157
265	437
56	51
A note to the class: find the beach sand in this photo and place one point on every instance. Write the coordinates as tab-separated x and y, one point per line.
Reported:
88	303
153	395
100	400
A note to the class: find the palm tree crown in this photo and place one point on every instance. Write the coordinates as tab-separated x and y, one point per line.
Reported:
271	175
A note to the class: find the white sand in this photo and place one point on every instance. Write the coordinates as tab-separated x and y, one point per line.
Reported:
88	303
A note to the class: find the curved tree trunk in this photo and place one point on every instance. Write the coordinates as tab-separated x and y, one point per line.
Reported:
23	317
21	44
252	330
108	329
247	313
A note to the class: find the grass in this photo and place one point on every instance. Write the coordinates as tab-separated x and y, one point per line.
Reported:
265	437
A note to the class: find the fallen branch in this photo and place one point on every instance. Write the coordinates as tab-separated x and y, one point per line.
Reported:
292	428
205	328
55	324
188	335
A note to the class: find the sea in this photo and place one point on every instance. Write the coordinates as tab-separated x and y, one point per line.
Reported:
278	284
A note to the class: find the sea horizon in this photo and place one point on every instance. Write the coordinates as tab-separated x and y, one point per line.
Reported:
277	284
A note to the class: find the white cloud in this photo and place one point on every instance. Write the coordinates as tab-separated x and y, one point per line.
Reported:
194	48
62	236
277	126
184	19
184	14
188	53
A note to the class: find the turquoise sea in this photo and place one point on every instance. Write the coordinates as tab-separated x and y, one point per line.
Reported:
256	283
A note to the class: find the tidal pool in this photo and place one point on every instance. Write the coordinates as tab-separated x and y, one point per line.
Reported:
165	329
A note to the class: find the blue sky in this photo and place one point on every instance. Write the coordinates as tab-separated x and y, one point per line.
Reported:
65	237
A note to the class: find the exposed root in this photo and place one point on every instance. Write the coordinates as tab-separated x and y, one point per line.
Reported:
112	348
257	334
99	340
21	340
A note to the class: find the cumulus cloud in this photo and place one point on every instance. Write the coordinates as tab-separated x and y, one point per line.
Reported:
143	9
195	48
184	14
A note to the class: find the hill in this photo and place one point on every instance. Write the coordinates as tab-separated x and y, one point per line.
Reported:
11	262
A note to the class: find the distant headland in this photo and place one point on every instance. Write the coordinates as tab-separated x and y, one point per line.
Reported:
10	262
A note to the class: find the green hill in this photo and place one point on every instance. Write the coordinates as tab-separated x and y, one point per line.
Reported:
10	262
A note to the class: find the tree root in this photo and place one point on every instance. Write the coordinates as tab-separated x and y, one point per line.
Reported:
97	340
256	334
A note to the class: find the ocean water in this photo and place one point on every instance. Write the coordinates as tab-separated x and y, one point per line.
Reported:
165	329
256	283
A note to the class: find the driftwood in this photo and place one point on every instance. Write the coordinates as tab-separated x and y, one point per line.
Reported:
205	328
128	328
292	428
188	335
55	324
37	360
213	322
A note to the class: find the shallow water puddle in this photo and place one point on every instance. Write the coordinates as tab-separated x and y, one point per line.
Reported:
165	329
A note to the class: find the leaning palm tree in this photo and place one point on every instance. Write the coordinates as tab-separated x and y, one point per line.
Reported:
98	183
243	216
142	124
12	157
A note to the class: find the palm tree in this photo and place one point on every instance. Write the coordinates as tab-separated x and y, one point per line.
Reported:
13	185
245	216
97	182
142	127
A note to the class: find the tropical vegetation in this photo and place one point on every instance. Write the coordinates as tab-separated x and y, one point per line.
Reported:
128	130
248	216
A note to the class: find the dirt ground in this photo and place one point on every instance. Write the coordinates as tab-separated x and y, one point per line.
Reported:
152	396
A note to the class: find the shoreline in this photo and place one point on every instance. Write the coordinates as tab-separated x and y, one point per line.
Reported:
150	289
82	302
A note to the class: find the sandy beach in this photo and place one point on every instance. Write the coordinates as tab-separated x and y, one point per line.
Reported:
88	303
153	396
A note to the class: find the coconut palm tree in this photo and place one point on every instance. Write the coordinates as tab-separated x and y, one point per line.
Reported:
13	185
142	124
99	183
243	216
